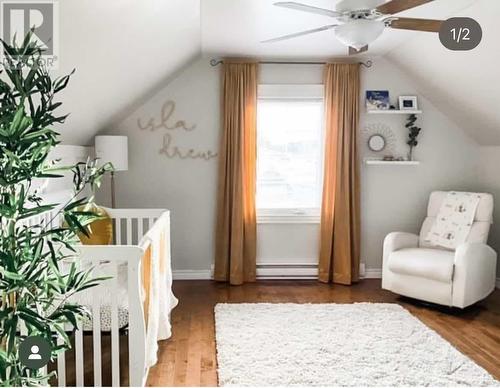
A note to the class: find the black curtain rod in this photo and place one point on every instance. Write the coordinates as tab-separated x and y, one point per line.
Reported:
216	62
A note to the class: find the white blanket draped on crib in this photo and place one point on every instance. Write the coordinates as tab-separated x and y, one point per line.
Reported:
157	294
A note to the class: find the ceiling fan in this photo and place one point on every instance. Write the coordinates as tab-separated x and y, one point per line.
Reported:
361	22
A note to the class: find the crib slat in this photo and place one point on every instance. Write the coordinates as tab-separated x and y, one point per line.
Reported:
79	356
115	338
47	221
61	365
140	224
137	328
55	219
22	328
129	232
118	227
96	332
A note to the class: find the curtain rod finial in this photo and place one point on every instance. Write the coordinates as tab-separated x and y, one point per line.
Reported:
367	64
215	62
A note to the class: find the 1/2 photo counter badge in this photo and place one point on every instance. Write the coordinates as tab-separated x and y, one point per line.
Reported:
460	34
19	16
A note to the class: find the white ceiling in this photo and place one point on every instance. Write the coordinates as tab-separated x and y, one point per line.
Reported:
126	50
463	85
236	27
122	50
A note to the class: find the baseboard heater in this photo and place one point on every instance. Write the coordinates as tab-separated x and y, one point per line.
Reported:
304	271
297	271
286	271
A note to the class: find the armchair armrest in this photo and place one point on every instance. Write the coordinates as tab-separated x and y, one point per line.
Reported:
393	242
474	273
399	240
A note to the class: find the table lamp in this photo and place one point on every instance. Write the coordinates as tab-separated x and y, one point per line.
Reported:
114	150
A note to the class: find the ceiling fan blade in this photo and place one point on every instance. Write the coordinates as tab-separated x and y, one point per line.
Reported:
290	36
354	51
427	25
308	8
395	6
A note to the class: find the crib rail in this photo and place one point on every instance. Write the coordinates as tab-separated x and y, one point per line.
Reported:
48	219
130	225
106	261
133	229
134	237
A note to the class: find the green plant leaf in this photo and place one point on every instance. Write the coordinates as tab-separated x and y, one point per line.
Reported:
32	280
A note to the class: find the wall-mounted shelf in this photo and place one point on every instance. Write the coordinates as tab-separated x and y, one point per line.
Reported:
393	112
378	162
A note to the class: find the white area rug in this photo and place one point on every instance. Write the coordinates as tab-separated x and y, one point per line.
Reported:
362	344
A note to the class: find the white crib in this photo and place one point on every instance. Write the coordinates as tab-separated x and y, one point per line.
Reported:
138	292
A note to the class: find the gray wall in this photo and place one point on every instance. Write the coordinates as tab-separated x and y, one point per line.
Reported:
489	181
393	197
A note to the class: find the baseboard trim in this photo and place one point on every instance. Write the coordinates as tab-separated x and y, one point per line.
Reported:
275	271
373	273
188	274
278	271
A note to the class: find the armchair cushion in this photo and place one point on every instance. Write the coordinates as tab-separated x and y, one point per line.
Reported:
433	264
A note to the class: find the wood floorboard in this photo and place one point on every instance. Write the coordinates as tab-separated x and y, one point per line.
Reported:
189	357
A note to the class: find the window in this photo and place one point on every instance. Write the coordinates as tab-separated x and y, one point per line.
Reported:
289	153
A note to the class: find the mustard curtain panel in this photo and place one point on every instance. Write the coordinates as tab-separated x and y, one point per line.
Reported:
340	219
235	252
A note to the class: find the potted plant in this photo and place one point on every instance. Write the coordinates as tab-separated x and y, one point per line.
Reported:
34	284
413	133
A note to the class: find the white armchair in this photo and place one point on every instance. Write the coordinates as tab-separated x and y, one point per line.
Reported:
414	268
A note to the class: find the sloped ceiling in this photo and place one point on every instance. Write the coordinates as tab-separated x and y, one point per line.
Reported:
122	51
238	27
126	50
463	85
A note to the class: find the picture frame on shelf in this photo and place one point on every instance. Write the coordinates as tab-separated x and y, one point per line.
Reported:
408	103
377	100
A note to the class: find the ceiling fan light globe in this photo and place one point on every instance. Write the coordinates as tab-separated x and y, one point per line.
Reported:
359	33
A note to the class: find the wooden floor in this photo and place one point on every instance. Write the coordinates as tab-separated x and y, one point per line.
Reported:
189	359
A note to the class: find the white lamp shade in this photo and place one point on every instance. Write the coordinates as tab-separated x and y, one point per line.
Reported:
114	150
359	33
